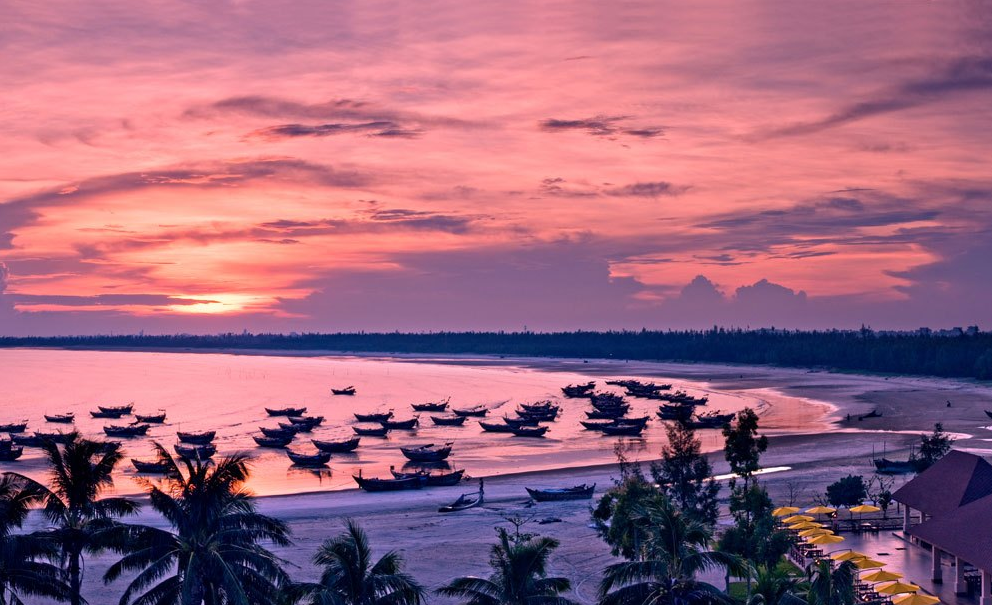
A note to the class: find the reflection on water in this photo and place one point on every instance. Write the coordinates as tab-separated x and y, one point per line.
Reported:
228	394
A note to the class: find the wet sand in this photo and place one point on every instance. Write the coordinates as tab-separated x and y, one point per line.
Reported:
438	547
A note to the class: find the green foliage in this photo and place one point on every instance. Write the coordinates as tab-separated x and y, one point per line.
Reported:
616	516
677	550
685	475
828	586
849	491
743	447
213	552
753	536
520	575
349	576
983	365
933	447
773	585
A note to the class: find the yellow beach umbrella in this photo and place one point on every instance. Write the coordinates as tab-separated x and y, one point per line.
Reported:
785	511
805	525
816	531
915	599
867	563
864	508
825	539
797	519
881	575
896	588
849	555
821	510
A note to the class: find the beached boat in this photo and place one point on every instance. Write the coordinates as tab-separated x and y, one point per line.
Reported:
404	425
373	484
449	420
67	418
477	411
596	425
520	421
579	492
309	460
578	390
289	427
151	418
126	430
275	442
201	438
9	453
465	501
152	468
110	415
529	431
495	427
437	406
106	447
427	453
345	391
27	440
675	411
193	452
285	411
123	410
894	467
600	415
433	479
346	445
545	416
14	427
306	423
278	432
56	437
380	431
605	399
623	429
988	413
543	406
373	417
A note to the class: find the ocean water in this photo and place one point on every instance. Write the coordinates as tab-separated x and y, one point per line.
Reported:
228	393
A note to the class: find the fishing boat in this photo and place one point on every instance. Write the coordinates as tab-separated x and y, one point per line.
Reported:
465	501
520	421
123	410
380	431
596	425
306	423
388	485
60	418
894	467
641	420
449	420
579	492
623	429
57	437
112	415
495	427
285	411
427	453
126	430
433	479
477	411
543	406
345	391
674	412
346	445
27	440
152	468
546	416
278	432
9	453
578	390
14	427
401	424
202	438
605	399
437	406
988	413
108	447
289	427
374	417
529	431
600	415
194	452
275	442
151	418
309	460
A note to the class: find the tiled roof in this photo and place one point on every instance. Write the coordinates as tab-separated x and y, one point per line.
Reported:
956	480
965	532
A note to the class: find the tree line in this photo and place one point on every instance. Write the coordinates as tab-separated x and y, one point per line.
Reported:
968	355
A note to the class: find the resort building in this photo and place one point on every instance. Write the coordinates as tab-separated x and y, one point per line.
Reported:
948	509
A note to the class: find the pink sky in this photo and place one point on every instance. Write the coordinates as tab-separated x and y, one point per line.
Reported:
447	165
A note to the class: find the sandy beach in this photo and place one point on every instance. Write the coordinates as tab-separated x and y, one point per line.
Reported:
438	547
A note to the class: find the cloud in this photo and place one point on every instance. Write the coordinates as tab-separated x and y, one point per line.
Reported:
600	126
378	129
961	75
648	189
105	300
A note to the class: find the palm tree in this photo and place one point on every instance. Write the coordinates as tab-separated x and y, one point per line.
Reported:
677	549
349	576
772	586
81	520
829	586
520	566
25	566
213	554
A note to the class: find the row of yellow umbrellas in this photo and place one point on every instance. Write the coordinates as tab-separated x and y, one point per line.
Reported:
785	511
888	581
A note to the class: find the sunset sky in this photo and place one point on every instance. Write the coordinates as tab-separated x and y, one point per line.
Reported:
201	167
